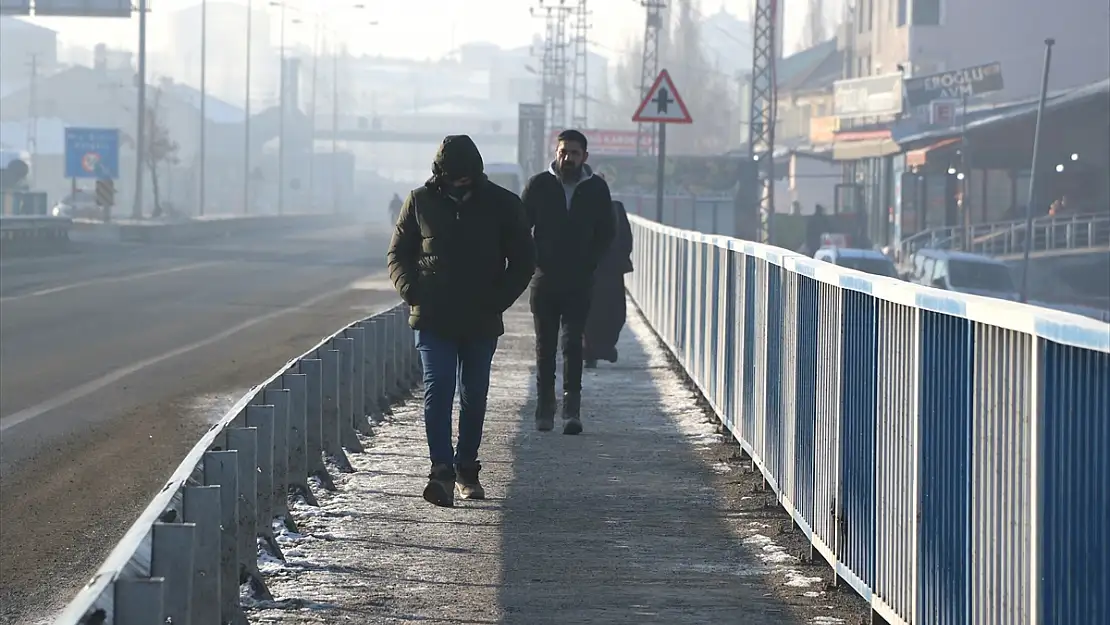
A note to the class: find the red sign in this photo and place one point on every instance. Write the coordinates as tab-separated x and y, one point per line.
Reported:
610	142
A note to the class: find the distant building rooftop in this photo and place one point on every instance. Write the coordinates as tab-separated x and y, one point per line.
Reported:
16	24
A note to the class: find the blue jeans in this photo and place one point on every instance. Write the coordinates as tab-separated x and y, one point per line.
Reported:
443	360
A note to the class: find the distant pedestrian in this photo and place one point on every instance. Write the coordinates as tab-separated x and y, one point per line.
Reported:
571	214
608	312
394	208
816	227
461	255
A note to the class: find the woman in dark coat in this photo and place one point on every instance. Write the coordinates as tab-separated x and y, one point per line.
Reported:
607	307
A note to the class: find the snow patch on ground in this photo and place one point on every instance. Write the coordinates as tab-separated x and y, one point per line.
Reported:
826	620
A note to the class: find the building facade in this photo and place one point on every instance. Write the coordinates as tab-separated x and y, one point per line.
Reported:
931	36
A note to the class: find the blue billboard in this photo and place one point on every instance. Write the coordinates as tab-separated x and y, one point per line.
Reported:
92	153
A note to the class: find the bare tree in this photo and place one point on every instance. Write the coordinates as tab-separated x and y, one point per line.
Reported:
159	149
706	91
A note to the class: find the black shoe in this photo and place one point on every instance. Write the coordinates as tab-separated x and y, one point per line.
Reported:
467	481
613	356
440	490
590	364
545	412
572	412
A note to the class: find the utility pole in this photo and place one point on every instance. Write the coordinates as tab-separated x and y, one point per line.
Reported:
649	69
140	122
281	117
335	127
203	99
580	86
33	116
247	118
312	119
761	128
554	62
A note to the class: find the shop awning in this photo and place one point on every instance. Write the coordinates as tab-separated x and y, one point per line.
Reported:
920	156
865	148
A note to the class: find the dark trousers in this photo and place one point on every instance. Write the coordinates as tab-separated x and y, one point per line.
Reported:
445	361
554	311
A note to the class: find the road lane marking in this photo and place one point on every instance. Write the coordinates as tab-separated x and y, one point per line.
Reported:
108	280
102	382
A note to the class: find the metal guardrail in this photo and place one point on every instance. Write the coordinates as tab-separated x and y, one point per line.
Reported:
183	558
1006	238
946	454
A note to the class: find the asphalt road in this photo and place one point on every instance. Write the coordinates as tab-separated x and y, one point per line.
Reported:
113	360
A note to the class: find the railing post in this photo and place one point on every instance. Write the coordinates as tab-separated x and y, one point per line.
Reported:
279	399
297	383
313	370
201	507
140	602
221	469
250	523
347	435
333	445
172	551
371	382
358	380
381	364
262	418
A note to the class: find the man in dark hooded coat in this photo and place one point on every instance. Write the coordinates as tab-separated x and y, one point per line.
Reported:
607	306
461	255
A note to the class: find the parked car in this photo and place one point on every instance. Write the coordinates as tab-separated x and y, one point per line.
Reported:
868	261
963	273
79	205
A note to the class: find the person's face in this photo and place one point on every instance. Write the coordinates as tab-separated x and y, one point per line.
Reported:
461	183
569	157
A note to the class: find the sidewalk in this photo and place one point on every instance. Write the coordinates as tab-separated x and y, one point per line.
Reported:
638	520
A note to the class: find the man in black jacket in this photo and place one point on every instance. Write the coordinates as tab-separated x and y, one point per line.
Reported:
461	255
571	214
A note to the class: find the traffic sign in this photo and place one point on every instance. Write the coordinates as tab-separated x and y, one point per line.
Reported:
662	104
92	153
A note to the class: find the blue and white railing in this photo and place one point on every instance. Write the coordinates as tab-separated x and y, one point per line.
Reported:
948	454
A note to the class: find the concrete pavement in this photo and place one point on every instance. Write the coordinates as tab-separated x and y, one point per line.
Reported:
644	519
114	358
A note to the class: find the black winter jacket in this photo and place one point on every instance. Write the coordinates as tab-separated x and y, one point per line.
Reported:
460	265
569	243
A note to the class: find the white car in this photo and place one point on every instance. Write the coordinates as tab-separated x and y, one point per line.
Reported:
867	261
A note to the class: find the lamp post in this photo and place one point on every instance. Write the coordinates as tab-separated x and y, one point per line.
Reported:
203	101
281	112
1048	43
140	122
247	118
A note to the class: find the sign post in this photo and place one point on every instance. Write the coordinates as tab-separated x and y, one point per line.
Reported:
662	105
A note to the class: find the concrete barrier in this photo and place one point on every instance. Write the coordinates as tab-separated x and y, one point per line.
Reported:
200	229
28	234
181	561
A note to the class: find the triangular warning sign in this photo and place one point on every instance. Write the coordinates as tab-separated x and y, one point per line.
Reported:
662	104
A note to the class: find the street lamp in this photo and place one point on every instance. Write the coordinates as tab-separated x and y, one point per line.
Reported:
247	118
203	101
281	112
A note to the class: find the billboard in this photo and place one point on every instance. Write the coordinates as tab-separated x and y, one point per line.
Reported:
84	8
955	84
873	96
531	152
696	175
608	142
15	7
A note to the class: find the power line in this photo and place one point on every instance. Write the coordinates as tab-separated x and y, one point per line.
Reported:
649	68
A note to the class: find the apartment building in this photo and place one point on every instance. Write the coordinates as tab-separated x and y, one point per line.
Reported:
930	36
